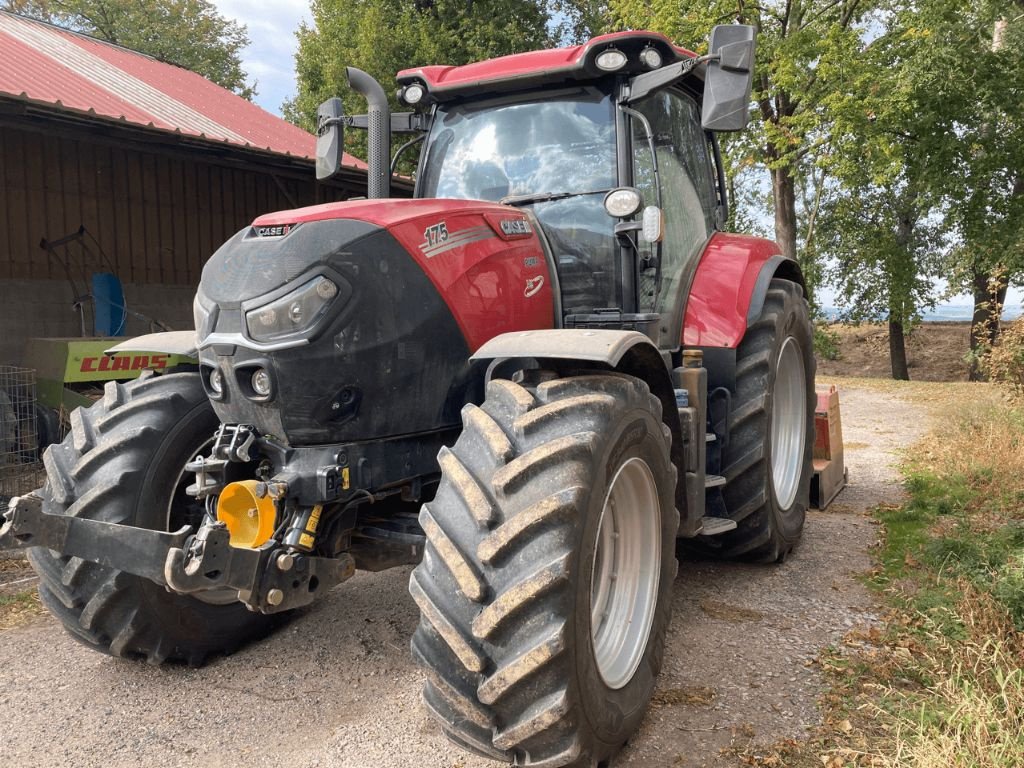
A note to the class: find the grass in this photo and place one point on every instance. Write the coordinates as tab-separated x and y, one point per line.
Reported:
18	608
942	685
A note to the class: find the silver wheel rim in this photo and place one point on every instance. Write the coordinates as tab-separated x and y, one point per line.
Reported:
626	573
789	423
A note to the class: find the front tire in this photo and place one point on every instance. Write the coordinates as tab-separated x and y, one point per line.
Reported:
123	462
545	587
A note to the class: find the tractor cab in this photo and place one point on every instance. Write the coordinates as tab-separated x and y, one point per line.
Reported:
607	147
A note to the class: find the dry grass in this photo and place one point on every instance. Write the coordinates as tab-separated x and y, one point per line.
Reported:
19	609
690	695
726	612
972	714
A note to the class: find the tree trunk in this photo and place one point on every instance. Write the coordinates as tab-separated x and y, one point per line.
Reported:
784	195
898	351
989	296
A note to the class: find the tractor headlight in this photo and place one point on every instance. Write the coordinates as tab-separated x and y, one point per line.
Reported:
293	313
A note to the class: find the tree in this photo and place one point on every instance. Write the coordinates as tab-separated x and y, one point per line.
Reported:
188	33
971	68
385	36
797	42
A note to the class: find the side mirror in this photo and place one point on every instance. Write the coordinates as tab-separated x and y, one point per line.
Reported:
330	134
730	75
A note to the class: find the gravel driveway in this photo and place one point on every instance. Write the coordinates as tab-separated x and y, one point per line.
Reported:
336	686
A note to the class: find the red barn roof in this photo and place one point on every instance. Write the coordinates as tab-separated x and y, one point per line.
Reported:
44	63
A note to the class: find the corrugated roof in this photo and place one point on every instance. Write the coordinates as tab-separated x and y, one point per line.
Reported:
44	63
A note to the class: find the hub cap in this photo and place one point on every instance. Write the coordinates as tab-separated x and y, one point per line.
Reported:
789	423
627	569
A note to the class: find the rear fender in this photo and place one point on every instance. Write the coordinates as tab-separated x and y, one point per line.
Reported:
729	289
628	352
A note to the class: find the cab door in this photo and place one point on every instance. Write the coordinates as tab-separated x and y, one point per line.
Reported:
685	189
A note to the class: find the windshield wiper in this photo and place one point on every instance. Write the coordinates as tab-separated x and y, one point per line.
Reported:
543	197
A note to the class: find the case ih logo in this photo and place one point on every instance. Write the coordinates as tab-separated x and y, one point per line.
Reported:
280	230
513	227
123	363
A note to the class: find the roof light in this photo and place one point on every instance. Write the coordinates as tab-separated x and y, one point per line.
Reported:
413	94
650	58
610	60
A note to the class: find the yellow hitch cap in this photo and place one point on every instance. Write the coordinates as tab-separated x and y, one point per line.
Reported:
250	519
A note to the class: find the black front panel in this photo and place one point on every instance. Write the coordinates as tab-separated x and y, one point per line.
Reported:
388	359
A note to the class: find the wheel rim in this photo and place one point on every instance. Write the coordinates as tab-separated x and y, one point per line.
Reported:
789	423
626	573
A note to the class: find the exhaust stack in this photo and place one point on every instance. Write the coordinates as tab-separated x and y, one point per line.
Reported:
379	132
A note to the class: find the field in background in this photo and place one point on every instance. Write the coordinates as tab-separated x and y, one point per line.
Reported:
935	352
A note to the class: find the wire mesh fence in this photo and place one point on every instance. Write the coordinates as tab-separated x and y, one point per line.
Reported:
21	469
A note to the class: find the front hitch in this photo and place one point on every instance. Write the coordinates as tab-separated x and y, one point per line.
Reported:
269	579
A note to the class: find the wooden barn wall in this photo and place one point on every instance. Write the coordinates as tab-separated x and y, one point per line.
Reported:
157	217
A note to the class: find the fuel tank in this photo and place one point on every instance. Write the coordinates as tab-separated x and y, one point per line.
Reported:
355	321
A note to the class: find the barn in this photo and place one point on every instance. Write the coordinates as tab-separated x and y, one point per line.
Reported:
112	162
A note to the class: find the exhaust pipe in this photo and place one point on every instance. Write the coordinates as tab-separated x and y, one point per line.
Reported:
378	129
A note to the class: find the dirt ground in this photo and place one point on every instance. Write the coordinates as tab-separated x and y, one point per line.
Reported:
336	687
935	352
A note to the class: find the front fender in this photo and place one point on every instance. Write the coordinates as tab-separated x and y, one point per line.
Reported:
181	343
729	288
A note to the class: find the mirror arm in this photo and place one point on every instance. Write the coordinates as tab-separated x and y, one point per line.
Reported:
644	85
401	122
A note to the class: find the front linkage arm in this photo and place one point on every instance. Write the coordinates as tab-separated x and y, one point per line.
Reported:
269	579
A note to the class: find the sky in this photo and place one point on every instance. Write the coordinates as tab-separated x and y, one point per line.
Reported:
270	57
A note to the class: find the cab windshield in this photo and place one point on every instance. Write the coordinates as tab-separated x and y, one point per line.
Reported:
562	144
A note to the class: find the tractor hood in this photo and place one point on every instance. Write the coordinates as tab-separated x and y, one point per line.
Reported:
364	314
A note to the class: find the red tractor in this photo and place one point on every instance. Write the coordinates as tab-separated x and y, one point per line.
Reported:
531	380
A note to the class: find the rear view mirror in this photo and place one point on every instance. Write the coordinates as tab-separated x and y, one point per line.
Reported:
729	77
330	134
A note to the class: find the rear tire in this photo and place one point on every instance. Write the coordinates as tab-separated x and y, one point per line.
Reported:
516	572
767	462
123	462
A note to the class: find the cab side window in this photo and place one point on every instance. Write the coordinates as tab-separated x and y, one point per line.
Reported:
687	184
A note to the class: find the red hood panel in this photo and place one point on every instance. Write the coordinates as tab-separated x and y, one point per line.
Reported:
384	213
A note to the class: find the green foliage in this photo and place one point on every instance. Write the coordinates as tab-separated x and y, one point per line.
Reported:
826	341
387	36
188	33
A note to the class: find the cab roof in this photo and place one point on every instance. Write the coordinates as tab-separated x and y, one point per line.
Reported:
521	71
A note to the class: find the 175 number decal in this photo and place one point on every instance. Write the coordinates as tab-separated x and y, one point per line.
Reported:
436	234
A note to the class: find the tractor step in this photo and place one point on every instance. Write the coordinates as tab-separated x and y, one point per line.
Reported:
714	481
712	526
